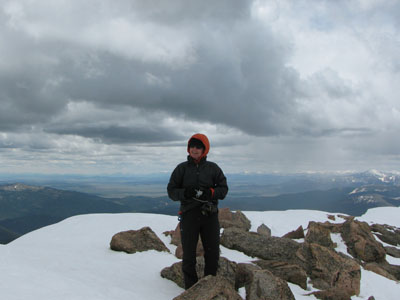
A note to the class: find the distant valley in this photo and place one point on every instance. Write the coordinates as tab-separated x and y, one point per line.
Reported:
28	206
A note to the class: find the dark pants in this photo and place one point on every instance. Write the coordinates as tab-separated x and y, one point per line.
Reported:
193	224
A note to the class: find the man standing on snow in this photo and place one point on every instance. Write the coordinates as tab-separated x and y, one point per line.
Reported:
198	184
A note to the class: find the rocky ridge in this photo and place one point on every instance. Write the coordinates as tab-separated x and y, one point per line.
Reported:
301	257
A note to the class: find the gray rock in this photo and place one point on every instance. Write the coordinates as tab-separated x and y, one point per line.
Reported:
387	234
210	288
295	234
264	230
286	271
393	251
378	269
227	219
361	243
319	234
331	294
266	286
244	274
328	269
257	245
132	241
226	269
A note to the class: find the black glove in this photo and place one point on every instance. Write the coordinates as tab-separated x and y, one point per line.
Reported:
207	194
190	192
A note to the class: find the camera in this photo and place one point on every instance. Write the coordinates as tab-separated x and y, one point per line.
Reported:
208	208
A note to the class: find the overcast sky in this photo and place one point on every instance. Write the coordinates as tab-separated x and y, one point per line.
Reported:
104	86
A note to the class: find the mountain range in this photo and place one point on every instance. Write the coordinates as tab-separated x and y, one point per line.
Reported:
25	207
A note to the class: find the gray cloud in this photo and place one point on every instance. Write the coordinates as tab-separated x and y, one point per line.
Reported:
114	134
150	73
235	76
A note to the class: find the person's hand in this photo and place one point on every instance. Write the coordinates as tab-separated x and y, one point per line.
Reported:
189	192
206	195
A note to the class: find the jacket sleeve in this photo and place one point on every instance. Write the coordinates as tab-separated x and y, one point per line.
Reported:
220	185
174	188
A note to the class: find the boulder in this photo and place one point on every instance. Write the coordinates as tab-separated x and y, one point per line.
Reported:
132	241
361	243
285	270
226	269
328	269
210	288
266	286
264	230
174	273
257	245
295	234
227	219
319	234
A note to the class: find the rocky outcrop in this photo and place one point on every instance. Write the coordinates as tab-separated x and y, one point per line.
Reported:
132	241
279	260
293	262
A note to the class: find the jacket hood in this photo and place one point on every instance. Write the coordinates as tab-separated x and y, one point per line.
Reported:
203	138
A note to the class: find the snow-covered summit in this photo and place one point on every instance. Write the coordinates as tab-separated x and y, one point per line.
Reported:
72	259
381	176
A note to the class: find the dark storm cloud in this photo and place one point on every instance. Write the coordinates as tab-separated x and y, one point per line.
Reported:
114	134
236	74
238	79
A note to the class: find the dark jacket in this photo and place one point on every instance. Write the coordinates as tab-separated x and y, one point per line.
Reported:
204	174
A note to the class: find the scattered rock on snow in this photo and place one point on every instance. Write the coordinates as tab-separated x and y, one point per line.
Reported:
132	241
264	230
